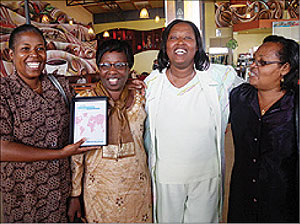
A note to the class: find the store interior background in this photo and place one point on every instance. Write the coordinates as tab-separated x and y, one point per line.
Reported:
101	16
248	36
218	29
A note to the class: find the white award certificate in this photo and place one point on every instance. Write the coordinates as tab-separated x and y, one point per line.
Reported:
89	120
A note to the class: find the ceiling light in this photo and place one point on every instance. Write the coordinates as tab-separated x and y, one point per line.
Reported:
90	30
106	34
157	19
144	13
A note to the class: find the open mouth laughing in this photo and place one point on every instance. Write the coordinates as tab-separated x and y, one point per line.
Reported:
33	65
180	51
113	81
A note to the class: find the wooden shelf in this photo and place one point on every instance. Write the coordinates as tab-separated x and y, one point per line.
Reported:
139	40
257	24
82	86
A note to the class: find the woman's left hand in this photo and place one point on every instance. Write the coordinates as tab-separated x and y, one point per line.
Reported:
74	209
138	85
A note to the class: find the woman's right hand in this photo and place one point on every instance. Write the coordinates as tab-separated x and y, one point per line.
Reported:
16	152
74	149
74	209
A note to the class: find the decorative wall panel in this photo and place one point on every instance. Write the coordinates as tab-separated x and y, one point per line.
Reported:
66	44
227	15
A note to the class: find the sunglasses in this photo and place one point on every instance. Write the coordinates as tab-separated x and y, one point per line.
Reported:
107	66
261	62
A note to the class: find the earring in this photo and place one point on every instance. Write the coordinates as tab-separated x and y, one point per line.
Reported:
282	80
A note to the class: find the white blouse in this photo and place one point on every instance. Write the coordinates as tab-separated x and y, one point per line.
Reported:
186	137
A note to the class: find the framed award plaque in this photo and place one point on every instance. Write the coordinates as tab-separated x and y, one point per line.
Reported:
89	120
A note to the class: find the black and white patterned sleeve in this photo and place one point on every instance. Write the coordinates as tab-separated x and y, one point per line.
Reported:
6	117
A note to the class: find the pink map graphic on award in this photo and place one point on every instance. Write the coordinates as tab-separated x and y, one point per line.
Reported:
93	123
90	122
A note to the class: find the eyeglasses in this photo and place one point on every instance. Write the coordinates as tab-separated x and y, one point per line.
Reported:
107	66
261	62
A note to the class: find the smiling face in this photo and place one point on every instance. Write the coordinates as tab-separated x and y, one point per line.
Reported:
268	77
181	45
114	79
29	55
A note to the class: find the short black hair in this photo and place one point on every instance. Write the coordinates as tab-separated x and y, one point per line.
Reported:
22	29
201	60
118	46
289	53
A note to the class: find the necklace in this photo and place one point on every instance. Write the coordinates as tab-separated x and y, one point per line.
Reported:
264	110
172	80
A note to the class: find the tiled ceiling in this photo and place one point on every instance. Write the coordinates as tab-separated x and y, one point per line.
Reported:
117	6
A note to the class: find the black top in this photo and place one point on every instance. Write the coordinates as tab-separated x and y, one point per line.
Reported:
264	182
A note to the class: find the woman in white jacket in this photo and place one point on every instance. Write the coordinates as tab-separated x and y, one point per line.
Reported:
187	106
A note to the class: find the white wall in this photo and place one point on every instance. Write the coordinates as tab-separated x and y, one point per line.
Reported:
143	61
147	24
247	41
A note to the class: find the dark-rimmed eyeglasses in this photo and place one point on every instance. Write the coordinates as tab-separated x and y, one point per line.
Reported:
107	66
261	62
